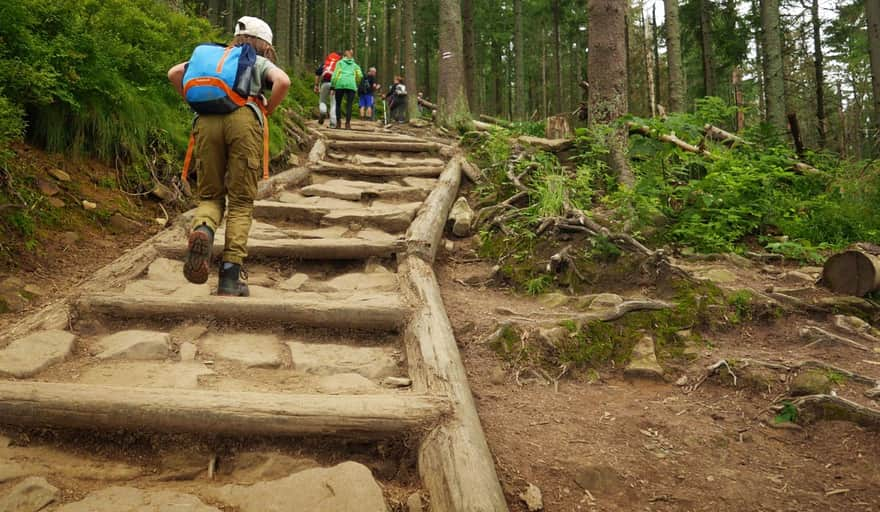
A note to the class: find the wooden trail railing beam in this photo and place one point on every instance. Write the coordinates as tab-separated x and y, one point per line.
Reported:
426	231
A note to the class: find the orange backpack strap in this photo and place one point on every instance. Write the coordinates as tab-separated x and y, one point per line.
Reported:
189	153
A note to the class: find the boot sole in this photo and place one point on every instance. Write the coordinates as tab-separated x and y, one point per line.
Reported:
198	258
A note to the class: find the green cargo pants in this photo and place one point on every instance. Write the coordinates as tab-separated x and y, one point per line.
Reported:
228	148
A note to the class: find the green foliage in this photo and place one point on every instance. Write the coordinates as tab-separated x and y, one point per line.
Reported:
538	285
788	414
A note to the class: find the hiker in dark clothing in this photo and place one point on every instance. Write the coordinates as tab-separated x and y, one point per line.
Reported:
346	78
396	99
365	94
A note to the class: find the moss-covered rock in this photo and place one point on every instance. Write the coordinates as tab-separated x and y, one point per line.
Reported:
810	382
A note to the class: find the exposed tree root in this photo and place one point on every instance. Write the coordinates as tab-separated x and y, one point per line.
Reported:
815	408
818	335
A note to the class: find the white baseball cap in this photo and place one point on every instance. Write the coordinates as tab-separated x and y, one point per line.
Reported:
250	26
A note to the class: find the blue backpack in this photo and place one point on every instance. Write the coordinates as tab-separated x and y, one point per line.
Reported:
218	78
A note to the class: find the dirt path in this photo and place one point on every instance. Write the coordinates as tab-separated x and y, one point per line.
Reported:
337	386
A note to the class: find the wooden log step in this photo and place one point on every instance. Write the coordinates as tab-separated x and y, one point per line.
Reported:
430	171
390	218
396	147
58	405
352	136
304	248
379	311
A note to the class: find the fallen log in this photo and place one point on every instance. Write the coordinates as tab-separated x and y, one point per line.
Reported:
472	172
67	405
334	310
486	127
551	145
280	181
426	231
319	150
302	248
558	127
797	167
814	408
494	120
425	103
455	464
723	136
852	273
352	136
395	147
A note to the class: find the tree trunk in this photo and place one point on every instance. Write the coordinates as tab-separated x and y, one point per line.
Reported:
471	78
282	31
249	8
304	29
397	23
656	40
872	10
649	65
773	77
426	77
519	54
736	79
709	82
557	53
544	107
365	58
451	98
819	62
353	35
326	49
673	56
214	12
387	70
608	74
293	50
409	57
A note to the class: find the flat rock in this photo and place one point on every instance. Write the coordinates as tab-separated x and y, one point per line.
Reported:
643	363
554	299
30	495
59	175
347	487
32	354
327	359
354	281
11	470
179	288
47	188
717	275
294	283
426	184
462	216
188	351
188	333
249	350
346	383
129	499
252	467
164	269
137	345
810	382
147	374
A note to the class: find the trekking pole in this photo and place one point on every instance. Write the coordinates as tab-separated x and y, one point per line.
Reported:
385	102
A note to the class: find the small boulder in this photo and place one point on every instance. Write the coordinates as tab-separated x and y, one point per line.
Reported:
462	217
532	498
121	223
643	363
718	276
135	345
32	354
47	188
54	202
31	495
346	384
59	175
129	499
295	282
606	301
418	122
188	351
88	205
810	382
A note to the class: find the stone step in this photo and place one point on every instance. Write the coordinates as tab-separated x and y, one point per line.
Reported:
385	161
353	248
380	311
331	211
352	190
352	136
65	405
348	169
396	147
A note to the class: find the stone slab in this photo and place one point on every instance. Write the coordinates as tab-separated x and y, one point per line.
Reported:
135	344
249	350
30	495
147	374
129	499
32	354
327	359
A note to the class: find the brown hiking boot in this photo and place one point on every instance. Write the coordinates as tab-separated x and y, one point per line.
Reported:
198	256
348	125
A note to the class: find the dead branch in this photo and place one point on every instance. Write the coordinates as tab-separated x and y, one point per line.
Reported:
723	136
814	408
818	335
840	321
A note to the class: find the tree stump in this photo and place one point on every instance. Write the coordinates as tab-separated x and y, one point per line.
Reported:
558	127
852	273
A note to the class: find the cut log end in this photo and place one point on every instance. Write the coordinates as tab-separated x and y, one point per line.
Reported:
852	273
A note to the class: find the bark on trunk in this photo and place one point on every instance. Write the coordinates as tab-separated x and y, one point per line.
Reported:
649	66
471	82
872	10
608	72
773	78
365	60
353	35
709	82
557	54
409	57
282	31
852	272
819	61
673	56
519	52
452	101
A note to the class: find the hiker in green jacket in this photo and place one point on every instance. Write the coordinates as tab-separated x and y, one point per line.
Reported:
345	82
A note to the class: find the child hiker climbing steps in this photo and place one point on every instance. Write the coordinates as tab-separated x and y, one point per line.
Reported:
225	85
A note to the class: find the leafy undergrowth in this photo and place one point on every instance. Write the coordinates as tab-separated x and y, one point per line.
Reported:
745	198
